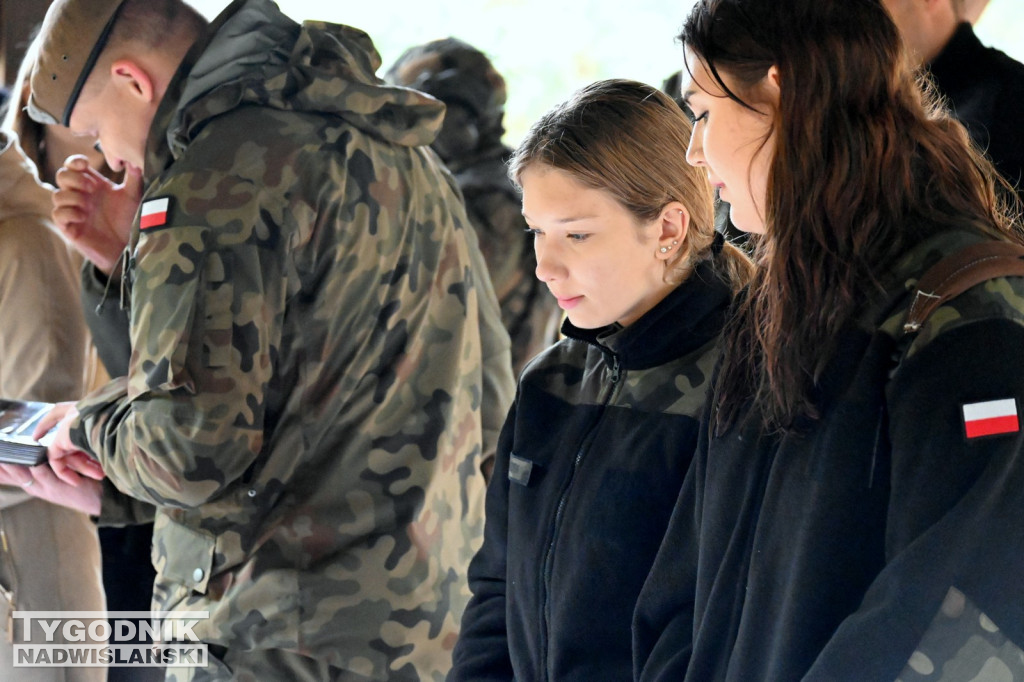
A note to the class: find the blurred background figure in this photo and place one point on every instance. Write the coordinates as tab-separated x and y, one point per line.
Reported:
49	555
47	147
470	144
983	86
128	573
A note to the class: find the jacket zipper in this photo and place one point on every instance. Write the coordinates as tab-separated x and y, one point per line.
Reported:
545	616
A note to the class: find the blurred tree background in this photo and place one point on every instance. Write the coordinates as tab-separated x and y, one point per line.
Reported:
546	49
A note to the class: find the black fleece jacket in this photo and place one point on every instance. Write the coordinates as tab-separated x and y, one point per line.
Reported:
883	541
589	465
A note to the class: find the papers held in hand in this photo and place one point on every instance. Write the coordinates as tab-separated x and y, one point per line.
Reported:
18	420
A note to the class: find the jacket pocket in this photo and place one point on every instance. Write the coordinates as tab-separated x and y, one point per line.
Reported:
183	555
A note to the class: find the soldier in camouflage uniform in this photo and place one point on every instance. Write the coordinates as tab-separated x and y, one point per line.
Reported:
318	366
854	510
470	144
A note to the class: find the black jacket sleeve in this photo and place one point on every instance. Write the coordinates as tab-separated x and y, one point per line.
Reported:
954	546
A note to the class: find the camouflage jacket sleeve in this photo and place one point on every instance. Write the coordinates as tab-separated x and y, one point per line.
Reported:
498	382
203	322
481	652
118	509
947	604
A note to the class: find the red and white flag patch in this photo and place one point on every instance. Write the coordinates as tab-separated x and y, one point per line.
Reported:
154	213
991	418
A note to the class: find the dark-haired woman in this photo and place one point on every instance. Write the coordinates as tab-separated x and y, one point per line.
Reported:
855	507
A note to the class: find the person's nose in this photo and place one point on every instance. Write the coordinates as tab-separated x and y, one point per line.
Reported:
549	266
695	150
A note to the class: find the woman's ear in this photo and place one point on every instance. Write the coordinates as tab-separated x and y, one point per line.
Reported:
674	222
773	85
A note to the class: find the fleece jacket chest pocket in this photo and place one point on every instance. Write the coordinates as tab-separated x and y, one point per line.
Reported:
219	295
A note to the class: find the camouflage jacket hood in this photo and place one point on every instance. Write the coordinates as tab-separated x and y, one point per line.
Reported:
255	55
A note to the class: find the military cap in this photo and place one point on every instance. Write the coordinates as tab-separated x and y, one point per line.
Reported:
72	37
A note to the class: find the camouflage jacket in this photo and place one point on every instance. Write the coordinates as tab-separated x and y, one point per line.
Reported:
588	470
880	542
318	366
529	311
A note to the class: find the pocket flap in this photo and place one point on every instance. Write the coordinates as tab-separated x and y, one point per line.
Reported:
183	555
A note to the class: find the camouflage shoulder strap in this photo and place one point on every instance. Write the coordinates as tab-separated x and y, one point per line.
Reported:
958	272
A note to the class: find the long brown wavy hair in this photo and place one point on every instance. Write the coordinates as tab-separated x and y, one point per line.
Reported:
866	163
629	139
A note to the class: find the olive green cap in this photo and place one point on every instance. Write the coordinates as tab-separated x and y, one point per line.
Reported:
71	39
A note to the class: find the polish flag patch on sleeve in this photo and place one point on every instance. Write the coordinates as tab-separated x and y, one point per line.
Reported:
991	418
154	213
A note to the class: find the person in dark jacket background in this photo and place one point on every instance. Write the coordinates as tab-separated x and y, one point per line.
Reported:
604	423
853	513
983	86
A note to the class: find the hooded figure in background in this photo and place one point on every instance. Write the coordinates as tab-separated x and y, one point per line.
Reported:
470	144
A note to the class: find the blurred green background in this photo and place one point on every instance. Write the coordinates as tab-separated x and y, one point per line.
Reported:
546	49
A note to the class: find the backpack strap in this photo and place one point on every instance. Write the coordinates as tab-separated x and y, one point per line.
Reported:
958	272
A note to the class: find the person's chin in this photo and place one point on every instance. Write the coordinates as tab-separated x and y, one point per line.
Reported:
744	222
585	322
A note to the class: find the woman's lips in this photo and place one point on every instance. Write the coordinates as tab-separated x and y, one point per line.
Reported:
568	303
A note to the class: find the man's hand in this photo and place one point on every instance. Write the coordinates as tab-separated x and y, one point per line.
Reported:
94	214
66	460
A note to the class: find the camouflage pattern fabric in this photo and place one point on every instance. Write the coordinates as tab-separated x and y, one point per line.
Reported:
528	310
997	298
318	366
962	643
470	143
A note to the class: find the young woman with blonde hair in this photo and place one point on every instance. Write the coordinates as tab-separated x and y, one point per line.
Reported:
604	424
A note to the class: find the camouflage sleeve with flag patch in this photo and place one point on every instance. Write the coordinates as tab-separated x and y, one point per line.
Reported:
202	326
